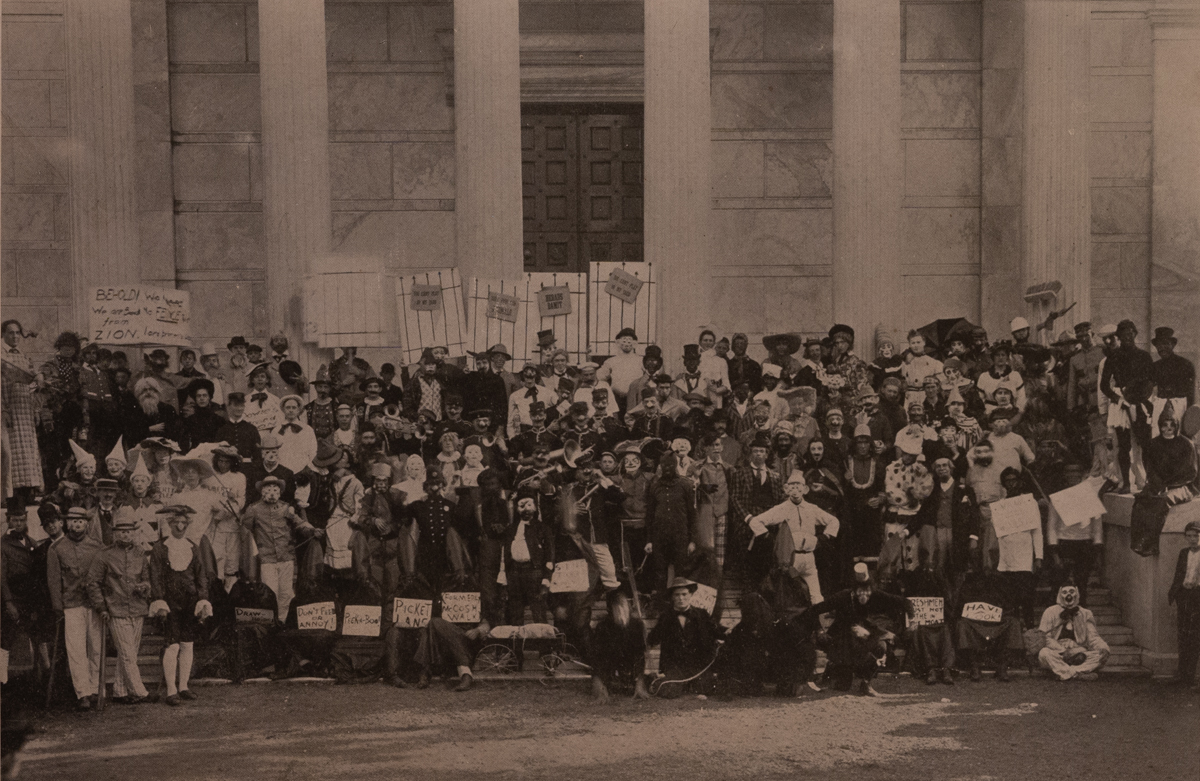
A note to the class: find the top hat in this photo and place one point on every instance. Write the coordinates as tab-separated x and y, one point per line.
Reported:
1164	334
691	351
237	341
545	339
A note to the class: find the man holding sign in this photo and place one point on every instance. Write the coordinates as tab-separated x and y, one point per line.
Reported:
1018	524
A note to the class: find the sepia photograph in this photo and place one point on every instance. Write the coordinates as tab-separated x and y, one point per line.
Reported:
600	389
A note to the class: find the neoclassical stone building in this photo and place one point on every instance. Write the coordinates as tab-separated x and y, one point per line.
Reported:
784	163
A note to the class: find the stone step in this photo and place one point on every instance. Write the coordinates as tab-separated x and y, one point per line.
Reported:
1117	635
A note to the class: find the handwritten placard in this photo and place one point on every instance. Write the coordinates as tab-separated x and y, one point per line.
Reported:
1079	504
982	611
411	613
460	607
705	598
554	301
623	285
1017	514
140	315
927	611
318	615
253	615
426	298
361	620
502	306
569	576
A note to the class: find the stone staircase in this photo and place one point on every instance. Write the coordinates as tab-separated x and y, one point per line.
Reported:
1126	656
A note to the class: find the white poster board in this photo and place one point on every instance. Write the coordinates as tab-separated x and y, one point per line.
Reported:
570	576
318	615
461	607
411	613
1018	514
361	620
140	315
705	598
982	611
1080	503
927	611
253	615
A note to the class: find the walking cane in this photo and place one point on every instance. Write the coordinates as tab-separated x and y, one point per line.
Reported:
101	690
58	628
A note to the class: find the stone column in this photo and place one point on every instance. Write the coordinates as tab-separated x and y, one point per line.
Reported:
1057	224
1175	222
295	152
104	237
867	168
487	136
678	155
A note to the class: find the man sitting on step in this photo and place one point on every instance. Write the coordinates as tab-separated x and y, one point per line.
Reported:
1074	648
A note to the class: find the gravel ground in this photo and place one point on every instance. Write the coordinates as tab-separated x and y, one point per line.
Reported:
1031	728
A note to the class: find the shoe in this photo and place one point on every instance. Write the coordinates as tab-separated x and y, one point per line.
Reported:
865	690
132	700
93	699
464	683
1002	674
812	685
423	683
947	678
976	673
173	700
186	694
84	704
122	700
932	678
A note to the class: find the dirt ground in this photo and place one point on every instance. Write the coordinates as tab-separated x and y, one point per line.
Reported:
1031	728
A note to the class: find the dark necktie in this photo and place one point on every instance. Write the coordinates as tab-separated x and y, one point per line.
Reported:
293	427
532	393
259	397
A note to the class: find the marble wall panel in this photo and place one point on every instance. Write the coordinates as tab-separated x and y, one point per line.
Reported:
1113	309
611	17
549	17
156	245
152	109
388	101
942	32
228	310
29	217
150	33
1106	265
1119	155
928	298
1003	110
402	239
48	321
208	32
798	304
737	169
940	100
1000	164
360	171
219	240
423	170
34	45
1122	99
756	101
1003	41
212	172
152	177
41	273
1120	43
798	32
941	167
412	31
939	236
215	103
1000	240
1120	210
738	304
27	103
36	160
799	169
356	33
754	237
1135	266
741	31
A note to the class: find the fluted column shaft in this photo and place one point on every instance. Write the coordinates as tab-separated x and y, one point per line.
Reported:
678	154
867	167
104	239
487	118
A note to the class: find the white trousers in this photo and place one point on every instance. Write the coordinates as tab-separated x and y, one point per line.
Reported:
601	558
279	577
81	637
806	565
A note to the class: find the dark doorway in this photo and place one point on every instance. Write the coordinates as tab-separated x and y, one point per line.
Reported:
581	169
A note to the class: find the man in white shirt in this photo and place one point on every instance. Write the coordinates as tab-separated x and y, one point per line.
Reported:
262	406
529	392
805	522
299	441
770	393
624	367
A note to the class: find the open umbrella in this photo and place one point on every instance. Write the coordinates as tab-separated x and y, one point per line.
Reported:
937	334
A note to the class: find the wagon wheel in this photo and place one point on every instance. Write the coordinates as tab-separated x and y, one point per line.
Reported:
551	662
496	658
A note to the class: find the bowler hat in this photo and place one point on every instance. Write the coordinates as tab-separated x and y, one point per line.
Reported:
270	480
626	332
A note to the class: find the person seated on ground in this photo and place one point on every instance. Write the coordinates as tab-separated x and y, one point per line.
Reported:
1074	648
438	648
746	662
930	646
855	641
617	650
689	639
1185	594
975	638
528	560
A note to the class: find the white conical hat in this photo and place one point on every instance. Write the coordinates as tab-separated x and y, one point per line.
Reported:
81	456
118	452
139	469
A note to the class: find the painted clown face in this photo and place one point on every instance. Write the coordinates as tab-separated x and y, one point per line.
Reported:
1068	597
473	455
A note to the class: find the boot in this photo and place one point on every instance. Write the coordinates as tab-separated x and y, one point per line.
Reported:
1002	673
640	692
599	690
464	683
946	677
932	678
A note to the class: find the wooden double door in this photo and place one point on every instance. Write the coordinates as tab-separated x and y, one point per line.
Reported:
581	170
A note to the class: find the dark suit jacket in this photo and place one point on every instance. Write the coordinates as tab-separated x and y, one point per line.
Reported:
1180	574
685	649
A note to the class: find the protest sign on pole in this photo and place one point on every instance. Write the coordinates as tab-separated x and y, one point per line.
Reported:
411	613
1017	514
460	607
623	285
140	315
554	301
361	620
982	611
927	611
318	615
569	576
1080	503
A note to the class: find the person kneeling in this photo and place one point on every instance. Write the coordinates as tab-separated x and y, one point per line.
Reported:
689	638
617	652
1074	648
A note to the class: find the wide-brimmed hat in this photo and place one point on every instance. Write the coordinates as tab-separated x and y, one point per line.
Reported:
202	467
499	349
175	509
791	341
292	397
327	455
682	582
270	480
269	440
160	442
628	447
228	451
